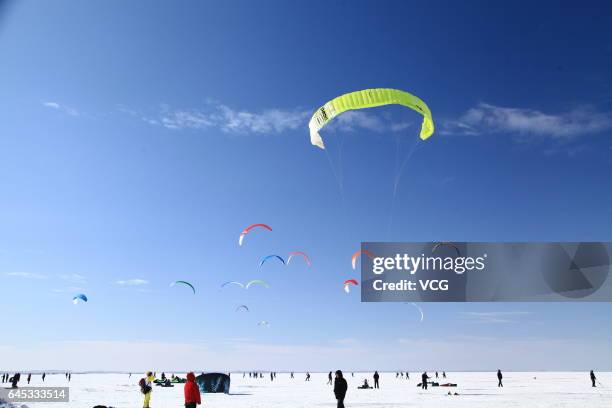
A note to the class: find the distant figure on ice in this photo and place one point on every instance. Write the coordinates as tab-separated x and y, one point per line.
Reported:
376	377
15	380
329	378
500	377
291	374
30	377
340	388
43	377
443	374
192	392
436	374
307	376
271	376
593	378
69	376
424	378
407	375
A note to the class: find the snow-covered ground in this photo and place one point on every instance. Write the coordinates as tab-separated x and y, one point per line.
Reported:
533	390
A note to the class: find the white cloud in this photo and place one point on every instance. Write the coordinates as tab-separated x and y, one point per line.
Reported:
276	120
60	107
229	120
69	289
493	317
26	275
487	118
132	282
72	277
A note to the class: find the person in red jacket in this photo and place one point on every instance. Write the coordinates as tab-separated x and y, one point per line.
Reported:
192	392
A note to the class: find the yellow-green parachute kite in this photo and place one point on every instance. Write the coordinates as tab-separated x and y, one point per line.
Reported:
368	98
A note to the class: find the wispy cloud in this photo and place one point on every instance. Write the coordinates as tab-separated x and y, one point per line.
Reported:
72	277
69	289
222	117
62	108
486	118
26	275
493	317
274	120
132	282
348	341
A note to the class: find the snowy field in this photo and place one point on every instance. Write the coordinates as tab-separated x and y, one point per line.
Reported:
534	390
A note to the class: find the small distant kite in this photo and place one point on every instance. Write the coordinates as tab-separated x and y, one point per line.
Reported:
183	283
232	283
264	323
358	254
348	283
265	259
257	282
78	297
299	253
448	244
242	307
420	310
249	228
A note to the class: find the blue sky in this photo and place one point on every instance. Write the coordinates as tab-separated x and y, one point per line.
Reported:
138	139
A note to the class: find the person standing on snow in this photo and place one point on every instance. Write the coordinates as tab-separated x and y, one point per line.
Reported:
376	377
340	387
499	378
146	388
192	392
593	378
424	378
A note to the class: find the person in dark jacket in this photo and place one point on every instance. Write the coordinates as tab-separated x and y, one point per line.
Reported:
340	387
329	378
376	377
15	380
192	392
499	378
424	378
593	378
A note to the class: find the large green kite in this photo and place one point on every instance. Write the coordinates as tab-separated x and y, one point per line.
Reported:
368	98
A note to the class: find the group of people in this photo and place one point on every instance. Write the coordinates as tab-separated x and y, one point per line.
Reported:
191	390
16	377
